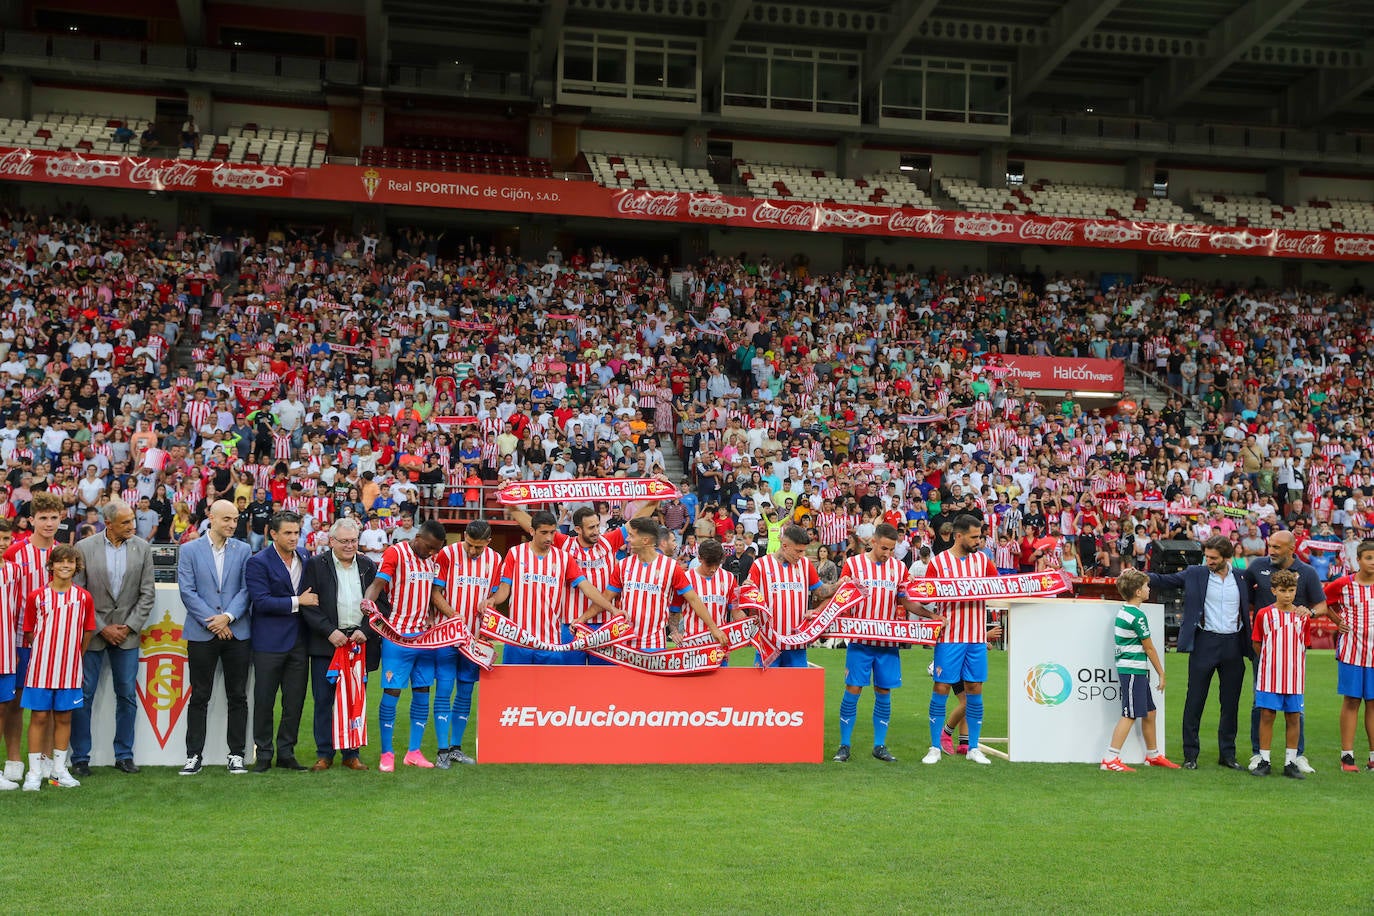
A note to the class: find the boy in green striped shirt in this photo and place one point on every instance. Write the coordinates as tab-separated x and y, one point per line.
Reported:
1135	653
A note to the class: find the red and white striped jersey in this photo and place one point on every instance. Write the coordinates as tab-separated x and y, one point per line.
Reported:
469	582
596	562
57	622
786	589
11	619
646	590
411	579
717	592
539	588
1283	637
884	582
321	508
965	621
197	412
281	446
28	567
832	527
348	672
1355	603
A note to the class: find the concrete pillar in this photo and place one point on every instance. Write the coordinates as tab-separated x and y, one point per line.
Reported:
200	104
694	147
992	167
847	157
372	128
16	92
1281	185
1139	177
541	137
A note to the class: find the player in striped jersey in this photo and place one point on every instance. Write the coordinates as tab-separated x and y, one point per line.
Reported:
962	652
1353	599
28	564
874	662
59	621
790	587
408	575
646	582
471	571
715	587
536	578
1281	634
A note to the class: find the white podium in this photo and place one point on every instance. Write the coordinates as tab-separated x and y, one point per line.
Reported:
1064	694
164	687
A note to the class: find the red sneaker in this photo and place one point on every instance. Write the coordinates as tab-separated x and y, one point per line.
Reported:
1160	760
1116	766
388	762
963	749
946	742
417	759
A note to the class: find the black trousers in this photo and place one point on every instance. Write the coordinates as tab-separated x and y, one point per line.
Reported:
322	692
236	656
274	672
1221	654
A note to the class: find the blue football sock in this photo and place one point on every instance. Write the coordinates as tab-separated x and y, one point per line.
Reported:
443	710
882	714
849	710
386	720
974	716
419	717
937	717
462	709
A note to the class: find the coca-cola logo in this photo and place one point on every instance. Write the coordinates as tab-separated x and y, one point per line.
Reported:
1356	247
983	226
17	163
246	179
1238	241
1060	230
1110	233
1172	237
81	169
930	223
796	215
849	218
713	208
165	175
645	204
1311	243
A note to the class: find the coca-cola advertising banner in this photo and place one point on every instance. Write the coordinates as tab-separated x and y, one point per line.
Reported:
1065	373
361	184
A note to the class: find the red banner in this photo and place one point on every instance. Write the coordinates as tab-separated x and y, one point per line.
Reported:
1066	373
919	632
1020	585
553	714
360	184
613	489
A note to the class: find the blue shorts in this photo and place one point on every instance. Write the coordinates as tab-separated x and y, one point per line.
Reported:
453	665
1279	702
1355	681
403	666
1137	701
519	655
790	658
879	665
24	653
961	661
43	699
7	685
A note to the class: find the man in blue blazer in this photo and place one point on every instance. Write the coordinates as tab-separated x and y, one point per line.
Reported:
280	664
210	579
1215	632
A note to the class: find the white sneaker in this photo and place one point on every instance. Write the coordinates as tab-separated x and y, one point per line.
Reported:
14	770
977	756
7	784
59	775
192	766
33	780
932	756
1254	761
236	767
1303	765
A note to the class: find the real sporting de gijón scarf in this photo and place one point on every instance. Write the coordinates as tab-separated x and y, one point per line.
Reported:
607	489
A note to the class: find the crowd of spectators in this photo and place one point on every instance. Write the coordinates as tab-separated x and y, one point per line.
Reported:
387	375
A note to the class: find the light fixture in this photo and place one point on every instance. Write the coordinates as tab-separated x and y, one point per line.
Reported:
238	44
1088	110
1097	395
73	28
907	168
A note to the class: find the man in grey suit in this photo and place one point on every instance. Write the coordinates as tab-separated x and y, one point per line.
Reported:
119	575
210	579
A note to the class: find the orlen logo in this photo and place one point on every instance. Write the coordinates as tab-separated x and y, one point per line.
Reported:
930	223
18	163
1059	230
81	169
1048	683
639	203
796	215
174	175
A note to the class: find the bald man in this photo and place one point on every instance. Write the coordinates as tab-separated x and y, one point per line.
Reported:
210	579
1310	595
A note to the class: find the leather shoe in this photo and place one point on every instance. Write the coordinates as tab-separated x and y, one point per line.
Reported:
353	763
1230	763
126	765
321	765
1190	764
289	763
82	769
263	765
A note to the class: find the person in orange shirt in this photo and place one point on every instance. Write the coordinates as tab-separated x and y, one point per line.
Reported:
370	489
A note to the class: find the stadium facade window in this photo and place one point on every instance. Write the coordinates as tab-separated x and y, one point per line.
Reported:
782	81
947	91
629	70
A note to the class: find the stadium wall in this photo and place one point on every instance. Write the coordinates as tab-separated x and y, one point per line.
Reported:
663	146
1182	182
1062	171
1325	187
64	99
227	114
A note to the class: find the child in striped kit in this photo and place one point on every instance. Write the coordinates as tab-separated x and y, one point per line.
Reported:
1281	636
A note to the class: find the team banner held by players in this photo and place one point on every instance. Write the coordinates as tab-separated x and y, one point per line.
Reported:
501	628
451	632
848	596
920	632
608	489
692	656
1021	585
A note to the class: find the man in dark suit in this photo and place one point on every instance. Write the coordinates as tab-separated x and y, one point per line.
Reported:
339	578
1215	632
277	593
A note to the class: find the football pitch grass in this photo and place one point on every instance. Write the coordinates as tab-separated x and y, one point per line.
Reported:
858	837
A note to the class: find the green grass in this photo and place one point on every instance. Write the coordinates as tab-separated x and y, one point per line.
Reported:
830	838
